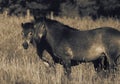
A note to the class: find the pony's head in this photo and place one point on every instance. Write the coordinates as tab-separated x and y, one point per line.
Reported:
33	32
28	33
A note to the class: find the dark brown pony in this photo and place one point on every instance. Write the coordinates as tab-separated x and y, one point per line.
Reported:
100	46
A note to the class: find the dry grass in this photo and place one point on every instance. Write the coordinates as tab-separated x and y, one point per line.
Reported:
19	66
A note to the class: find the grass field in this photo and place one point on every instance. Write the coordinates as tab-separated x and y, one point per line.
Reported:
19	66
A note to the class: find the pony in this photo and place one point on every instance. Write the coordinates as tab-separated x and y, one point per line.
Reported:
100	46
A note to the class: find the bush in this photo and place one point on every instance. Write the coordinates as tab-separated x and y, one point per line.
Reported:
70	8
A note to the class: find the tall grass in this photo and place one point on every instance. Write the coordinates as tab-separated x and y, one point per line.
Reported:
19	66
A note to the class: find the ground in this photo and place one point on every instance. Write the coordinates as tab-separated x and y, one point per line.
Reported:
19	66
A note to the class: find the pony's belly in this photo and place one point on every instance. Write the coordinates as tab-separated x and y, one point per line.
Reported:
93	53
87	57
92	57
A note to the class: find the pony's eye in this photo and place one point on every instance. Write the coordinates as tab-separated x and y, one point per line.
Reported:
22	33
30	34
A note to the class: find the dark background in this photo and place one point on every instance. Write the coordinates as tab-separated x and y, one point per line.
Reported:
69	8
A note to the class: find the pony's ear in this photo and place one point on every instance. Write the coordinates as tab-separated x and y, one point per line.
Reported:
35	18
39	18
22	25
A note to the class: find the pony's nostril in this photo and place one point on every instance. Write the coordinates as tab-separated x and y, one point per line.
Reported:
25	45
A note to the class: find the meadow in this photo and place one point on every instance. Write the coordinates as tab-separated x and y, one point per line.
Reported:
19	66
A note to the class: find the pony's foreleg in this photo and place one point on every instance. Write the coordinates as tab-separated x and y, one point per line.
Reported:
67	67
117	62
46	57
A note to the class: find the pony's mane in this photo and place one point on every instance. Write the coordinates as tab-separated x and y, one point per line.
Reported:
54	22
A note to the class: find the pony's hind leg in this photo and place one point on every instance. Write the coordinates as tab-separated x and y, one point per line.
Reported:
99	64
111	64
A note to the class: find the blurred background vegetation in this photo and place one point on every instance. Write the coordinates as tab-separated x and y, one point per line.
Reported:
69	8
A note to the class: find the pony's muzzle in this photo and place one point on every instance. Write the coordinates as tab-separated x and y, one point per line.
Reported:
25	45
